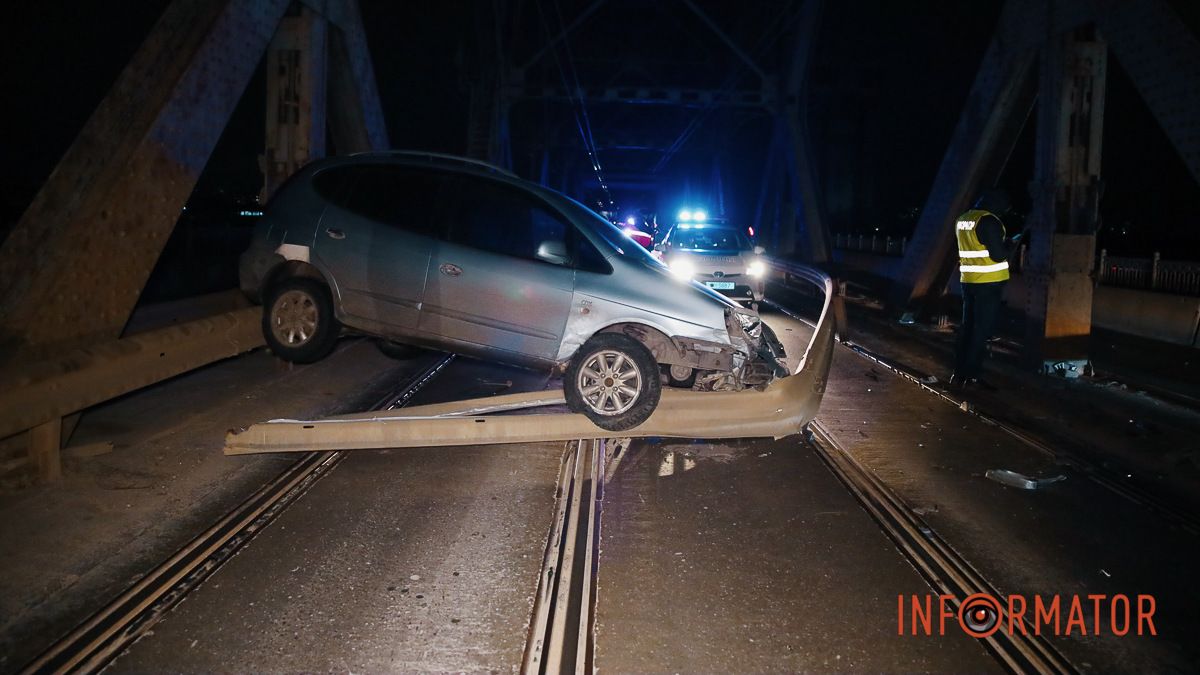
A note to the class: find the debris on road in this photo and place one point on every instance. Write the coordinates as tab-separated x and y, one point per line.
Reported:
1014	479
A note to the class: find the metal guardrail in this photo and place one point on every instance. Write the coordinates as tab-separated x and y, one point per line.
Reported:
872	243
1155	274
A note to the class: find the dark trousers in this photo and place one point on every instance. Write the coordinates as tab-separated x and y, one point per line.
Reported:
981	305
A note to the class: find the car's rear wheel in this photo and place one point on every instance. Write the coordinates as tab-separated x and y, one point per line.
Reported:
298	321
614	380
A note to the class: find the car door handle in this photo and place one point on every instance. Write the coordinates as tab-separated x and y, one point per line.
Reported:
335	233
450	270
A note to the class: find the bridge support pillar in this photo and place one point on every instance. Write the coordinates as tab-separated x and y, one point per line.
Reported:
1066	194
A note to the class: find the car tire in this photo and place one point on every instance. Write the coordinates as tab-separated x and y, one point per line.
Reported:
606	362
398	350
682	382
298	321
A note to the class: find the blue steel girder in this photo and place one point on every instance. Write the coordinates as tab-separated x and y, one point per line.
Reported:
354	111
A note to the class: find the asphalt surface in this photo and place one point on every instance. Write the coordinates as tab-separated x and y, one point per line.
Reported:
733	556
750	556
400	560
1073	537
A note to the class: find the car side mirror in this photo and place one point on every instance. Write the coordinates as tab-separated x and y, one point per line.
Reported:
758	250
658	247
553	251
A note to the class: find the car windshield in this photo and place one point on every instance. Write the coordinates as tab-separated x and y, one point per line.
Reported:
692	238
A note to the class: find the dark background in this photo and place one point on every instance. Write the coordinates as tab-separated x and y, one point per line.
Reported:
888	81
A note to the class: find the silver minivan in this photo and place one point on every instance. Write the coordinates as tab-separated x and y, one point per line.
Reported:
437	251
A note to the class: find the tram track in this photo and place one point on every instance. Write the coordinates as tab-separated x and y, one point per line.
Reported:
943	568
107	633
561	634
1111	479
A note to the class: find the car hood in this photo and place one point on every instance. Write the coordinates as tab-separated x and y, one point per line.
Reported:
650	287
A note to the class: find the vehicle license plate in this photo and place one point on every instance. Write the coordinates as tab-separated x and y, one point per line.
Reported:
720	285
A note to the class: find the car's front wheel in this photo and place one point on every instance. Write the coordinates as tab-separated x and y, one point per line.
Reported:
298	321
614	380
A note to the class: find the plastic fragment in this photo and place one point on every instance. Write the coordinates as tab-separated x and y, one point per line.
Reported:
1021	481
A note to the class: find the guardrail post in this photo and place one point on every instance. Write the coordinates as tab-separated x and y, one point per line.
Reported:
1102	266
1154	271
45	449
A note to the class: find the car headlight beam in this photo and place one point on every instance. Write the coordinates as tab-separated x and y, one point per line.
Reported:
757	269
682	268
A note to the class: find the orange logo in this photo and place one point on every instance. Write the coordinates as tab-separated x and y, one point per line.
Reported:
980	615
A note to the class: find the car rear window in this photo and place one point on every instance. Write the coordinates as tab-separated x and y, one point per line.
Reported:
401	196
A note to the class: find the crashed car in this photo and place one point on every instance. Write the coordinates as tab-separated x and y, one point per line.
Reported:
453	254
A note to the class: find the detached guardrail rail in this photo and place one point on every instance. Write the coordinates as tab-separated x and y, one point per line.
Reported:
782	409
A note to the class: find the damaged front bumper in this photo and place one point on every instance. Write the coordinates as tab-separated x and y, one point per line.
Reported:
759	355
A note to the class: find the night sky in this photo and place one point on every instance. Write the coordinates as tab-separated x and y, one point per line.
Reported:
888	83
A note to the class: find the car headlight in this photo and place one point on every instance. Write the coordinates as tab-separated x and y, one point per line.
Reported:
682	268
757	268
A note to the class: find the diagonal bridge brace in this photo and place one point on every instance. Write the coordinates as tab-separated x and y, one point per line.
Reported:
782	409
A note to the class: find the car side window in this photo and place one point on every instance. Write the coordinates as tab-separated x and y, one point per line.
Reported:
502	219
587	258
400	196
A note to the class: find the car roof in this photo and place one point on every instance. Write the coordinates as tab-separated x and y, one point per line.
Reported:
417	158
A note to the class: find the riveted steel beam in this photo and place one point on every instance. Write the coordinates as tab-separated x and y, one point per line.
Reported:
998	103
355	113
1066	196
296	85
76	262
1157	49
1162	56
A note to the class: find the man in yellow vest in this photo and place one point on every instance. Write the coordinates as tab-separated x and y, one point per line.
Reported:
983	253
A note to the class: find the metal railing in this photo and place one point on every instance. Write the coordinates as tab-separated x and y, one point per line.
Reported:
1169	276
871	243
1181	277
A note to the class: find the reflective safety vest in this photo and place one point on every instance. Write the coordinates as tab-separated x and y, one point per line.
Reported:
974	264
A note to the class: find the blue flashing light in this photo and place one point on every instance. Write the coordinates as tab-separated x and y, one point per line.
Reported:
631	220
